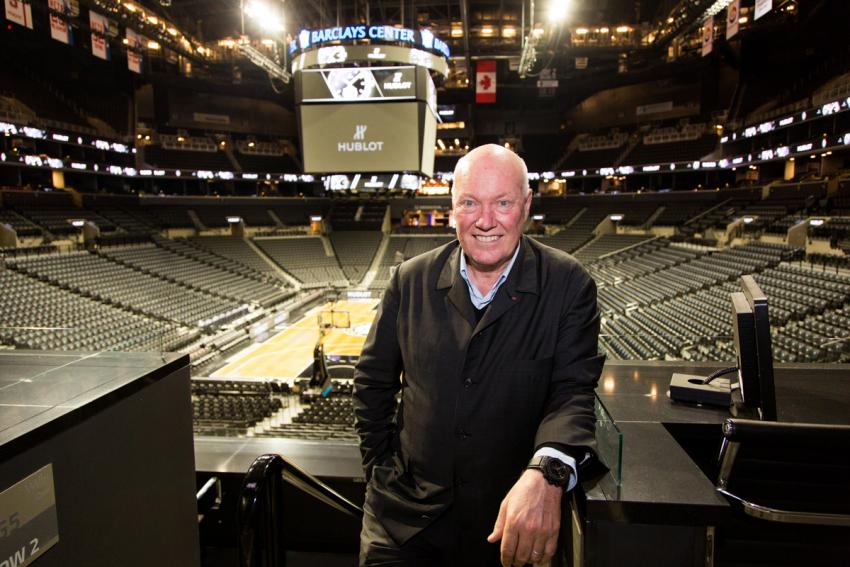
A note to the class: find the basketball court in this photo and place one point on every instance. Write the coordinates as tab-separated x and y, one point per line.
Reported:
290	352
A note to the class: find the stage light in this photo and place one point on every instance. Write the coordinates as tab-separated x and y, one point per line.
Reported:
558	10
264	15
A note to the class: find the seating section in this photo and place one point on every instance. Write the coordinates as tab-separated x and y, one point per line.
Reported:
592	158
110	282
158	156
126	221
357	215
267	164
355	250
305	259
56	221
608	244
187	271
402	248
22	225
169	216
318	418
215	216
270	409
233	248
669	302
678	213
670	152
226	407
37	315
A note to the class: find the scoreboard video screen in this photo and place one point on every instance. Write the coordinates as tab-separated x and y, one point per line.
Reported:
367	119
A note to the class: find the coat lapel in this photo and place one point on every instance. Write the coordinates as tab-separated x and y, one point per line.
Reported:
458	294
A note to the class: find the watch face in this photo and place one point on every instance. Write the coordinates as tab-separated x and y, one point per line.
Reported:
557	471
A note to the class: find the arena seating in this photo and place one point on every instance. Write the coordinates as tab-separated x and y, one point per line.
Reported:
169	216
679	213
669	152
22	225
125	221
557	211
122	286
607	244
233	248
38	315
355	250
305	259
226	407
357	215
593	157
271	409
189	272
282	163
51	108
158	156
405	247
215	216
40	212
317	417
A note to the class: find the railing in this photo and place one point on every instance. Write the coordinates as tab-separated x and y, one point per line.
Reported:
261	516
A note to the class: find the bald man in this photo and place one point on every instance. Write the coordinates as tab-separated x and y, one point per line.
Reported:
492	342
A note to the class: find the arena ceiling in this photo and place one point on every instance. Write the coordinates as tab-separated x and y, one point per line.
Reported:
215	19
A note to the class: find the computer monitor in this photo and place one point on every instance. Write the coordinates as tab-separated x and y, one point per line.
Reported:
755	395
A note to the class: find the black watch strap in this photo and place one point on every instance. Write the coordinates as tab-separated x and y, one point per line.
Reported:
555	471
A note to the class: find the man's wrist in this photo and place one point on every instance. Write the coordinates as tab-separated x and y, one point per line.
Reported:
569	461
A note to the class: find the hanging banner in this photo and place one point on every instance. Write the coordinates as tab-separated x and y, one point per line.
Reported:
707	36
19	12
99	34
763	7
485	81
59	11
134	51
733	15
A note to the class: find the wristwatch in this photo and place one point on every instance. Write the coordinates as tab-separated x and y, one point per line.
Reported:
555	471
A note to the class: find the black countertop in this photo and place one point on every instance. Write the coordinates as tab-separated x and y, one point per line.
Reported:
41	391
661	483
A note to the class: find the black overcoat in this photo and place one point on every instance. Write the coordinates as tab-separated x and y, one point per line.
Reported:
477	397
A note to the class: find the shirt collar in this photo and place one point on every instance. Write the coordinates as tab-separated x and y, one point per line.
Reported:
479	301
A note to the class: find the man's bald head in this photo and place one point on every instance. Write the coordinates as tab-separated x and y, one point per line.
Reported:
492	156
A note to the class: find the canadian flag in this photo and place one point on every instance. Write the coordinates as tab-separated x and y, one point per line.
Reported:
485	81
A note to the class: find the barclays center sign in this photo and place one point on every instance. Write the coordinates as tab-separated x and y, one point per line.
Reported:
421	38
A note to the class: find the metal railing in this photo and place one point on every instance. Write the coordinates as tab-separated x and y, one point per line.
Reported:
261	509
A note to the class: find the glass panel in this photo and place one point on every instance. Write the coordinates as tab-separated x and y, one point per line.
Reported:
609	441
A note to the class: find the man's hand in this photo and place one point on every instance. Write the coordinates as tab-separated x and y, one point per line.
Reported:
528	521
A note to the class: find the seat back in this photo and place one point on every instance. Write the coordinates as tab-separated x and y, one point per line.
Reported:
791	484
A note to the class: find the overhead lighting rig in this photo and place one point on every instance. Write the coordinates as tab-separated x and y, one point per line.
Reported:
263	62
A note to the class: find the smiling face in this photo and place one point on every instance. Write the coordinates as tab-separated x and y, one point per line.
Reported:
490	202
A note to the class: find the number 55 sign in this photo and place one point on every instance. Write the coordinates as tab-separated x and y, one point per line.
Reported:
28	525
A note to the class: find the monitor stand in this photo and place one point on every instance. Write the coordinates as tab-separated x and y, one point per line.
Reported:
738	409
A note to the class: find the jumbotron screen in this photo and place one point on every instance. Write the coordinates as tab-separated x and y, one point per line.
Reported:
380	137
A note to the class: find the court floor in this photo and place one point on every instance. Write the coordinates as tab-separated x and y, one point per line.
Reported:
289	352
